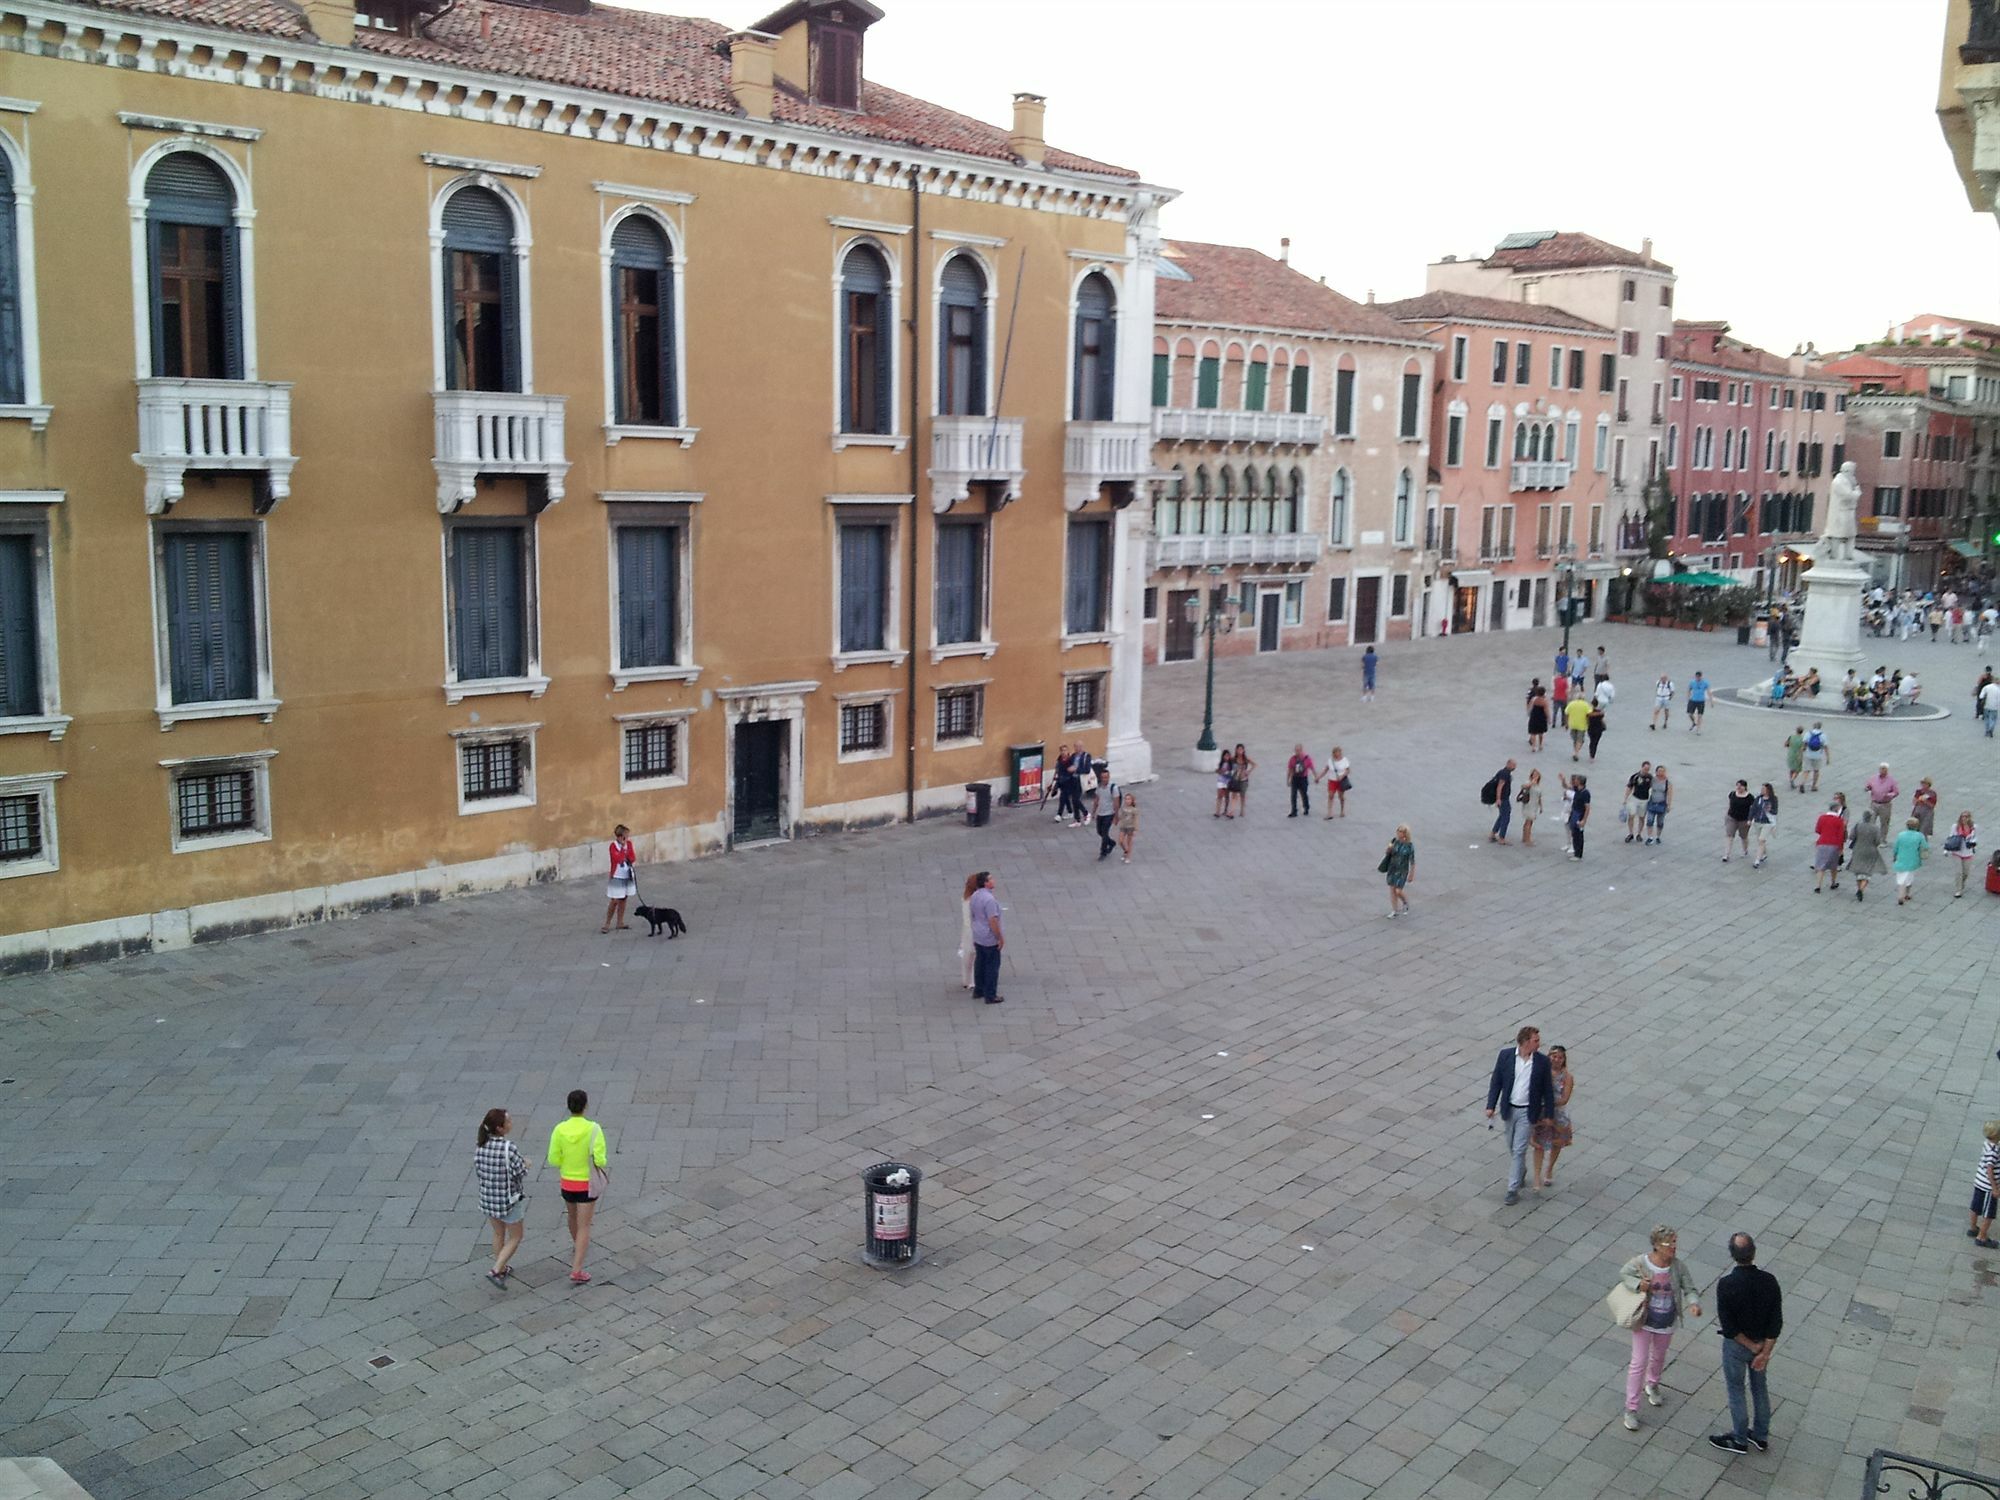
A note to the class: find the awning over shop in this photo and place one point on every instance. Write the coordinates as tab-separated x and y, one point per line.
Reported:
1965	549
1699	580
1466	578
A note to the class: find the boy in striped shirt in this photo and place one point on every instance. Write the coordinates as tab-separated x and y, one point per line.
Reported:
1986	1189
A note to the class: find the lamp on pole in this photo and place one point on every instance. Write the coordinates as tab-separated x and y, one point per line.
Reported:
1207	741
1566	570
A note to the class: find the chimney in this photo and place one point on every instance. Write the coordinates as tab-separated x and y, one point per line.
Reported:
1371	296
751	59
1646	250
1285	251
1026	141
332	21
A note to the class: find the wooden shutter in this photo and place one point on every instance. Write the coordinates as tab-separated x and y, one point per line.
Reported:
1343	403
11	379
1208	383
487	601
1163	376
638	244
210	617
864	284
648	596
475	219
185	187
963	291
864	552
1301	384
20	648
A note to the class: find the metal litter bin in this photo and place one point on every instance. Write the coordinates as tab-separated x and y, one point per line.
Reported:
889	1215
978	804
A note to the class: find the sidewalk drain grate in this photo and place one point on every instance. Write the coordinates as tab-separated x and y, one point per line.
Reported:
382	1361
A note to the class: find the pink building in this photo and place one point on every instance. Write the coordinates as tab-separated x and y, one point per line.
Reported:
1913	453
1521	430
1753	442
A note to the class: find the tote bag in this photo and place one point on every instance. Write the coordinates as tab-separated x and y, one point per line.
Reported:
1626	1306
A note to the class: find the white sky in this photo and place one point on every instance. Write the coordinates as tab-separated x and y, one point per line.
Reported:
1784	155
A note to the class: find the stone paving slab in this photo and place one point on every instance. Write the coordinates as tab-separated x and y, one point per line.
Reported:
251	1163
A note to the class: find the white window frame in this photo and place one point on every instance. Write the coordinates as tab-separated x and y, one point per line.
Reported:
874	510
1618	460
1295	603
990	270
244	216
1091	637
257	762
1673	444
1495	455
885	698
1099	675
1555	369
1674	389
614	431
489	734
978	687
531	681
1410	425
648	508
1340	509
985	646
523	243
1460	346
895	439
1403	510
1340	617
266	703
1594	540
1454	436
41	785
676	719
26	513
31	408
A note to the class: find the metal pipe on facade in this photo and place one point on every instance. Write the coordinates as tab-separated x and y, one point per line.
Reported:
913	292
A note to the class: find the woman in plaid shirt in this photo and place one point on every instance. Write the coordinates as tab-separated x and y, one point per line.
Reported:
503	1172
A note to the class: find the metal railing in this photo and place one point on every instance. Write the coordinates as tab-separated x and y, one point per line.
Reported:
1932	1480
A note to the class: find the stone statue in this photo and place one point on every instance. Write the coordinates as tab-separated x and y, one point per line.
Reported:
1836	538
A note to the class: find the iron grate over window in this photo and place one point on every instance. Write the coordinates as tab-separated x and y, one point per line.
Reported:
1080	699
21	827
863	726
651	750
493	768
216	802
958	715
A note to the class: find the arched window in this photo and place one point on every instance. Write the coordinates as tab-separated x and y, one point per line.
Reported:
13	383
962	339
1208	376
1338	506
1171	504
192	254
1201	481
1301	381
1257	384
1252	486
482	318
642	322
1405	505
867	343
1227	481
1096	350
1295	503
1523	432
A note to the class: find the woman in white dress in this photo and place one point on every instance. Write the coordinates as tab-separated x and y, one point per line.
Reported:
965	932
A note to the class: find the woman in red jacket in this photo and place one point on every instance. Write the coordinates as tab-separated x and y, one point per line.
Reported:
623	885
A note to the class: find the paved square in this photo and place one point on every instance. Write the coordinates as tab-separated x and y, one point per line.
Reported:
1210	1208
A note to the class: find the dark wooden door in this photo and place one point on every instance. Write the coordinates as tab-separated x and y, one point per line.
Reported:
759	794
1367	605
1181	624
1270	611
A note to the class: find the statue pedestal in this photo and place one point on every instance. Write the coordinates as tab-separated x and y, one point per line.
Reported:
1831	637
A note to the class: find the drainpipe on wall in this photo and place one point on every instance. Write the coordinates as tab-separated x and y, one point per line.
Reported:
914	286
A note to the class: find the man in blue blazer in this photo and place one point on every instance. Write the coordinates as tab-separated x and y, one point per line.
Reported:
1524	1088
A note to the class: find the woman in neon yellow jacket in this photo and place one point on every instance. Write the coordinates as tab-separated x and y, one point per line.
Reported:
576	1149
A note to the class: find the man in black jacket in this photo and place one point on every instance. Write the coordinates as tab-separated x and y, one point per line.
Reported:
1524	1088
1749	1314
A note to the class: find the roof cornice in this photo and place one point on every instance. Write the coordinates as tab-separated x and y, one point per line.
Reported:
1590	331
1276	331
56	30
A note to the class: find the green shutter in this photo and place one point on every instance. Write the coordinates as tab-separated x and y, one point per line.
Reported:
1208	383
1253	389
488	602
1163	379
210	617
1301	382
648	596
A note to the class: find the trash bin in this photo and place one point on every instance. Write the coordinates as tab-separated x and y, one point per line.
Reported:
978	804
1742	635
1993	874
889	1214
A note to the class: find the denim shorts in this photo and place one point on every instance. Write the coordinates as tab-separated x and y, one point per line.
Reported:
516	1211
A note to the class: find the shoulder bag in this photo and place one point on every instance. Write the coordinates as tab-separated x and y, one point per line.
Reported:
1626	1305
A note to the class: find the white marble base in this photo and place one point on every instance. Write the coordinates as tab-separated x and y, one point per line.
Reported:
1831	637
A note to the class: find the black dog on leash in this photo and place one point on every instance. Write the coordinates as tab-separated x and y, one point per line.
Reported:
661	916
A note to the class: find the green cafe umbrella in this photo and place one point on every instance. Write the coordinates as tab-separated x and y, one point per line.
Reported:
1699	580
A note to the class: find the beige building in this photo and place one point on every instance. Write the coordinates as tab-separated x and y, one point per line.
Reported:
1626	291
1294	424
431	434
1969	98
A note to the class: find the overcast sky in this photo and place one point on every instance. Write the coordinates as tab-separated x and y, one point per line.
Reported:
1784	155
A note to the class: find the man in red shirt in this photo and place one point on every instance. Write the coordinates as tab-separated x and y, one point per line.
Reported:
1829	838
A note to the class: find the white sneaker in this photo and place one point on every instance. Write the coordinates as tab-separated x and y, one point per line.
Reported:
1652	1395
1631	1421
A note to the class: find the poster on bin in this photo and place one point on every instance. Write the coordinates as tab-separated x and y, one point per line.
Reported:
892	1218
1028	778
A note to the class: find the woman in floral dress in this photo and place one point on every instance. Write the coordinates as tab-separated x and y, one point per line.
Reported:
1554	1133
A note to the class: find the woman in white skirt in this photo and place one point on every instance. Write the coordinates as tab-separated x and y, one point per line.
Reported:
1764	823
965	932
623	884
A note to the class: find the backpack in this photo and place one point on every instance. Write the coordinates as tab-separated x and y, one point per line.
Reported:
1815	741
1490	793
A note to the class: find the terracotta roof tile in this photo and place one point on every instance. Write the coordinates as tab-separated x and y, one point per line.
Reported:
671	60
1696	344
1569	250
1238	285
1461	307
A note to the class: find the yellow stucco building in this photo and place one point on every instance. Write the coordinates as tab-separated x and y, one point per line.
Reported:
435	433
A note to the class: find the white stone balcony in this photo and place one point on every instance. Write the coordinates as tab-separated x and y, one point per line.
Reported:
1099	453
214	426
1289	547
1213	425
1539	476
968	450
498	432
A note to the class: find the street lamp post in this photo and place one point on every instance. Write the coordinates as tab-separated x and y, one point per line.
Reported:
1566	566
1206	743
